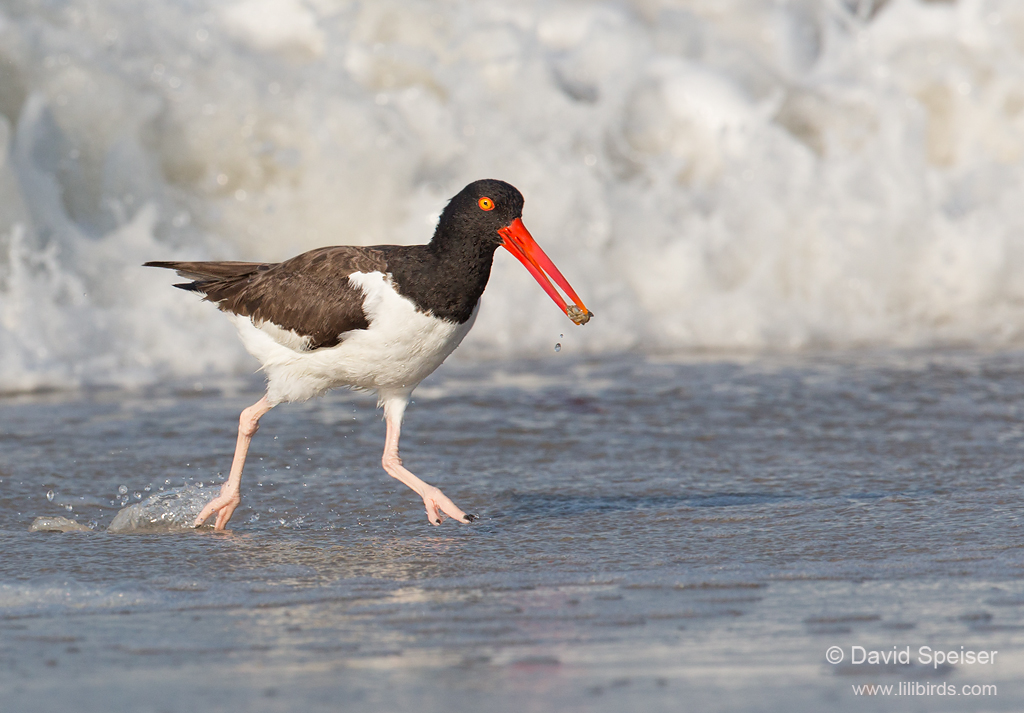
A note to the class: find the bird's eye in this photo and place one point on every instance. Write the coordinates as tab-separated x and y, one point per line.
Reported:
486	203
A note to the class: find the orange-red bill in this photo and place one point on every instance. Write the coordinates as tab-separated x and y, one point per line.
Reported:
518	241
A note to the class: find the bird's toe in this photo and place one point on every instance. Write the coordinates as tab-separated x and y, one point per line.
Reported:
433	513
224	506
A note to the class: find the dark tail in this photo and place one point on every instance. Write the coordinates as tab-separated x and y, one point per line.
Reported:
208	276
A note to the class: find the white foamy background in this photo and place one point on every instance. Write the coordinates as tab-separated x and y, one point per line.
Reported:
738	174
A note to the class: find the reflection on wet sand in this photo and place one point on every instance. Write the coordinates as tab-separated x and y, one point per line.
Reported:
635	552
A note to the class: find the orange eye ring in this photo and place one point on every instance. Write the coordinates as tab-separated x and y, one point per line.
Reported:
485	203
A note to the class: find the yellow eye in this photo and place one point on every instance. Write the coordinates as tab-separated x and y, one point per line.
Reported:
485	203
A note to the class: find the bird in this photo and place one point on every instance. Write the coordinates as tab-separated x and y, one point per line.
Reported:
378	319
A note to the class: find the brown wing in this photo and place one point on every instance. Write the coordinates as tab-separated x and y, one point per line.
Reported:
310	294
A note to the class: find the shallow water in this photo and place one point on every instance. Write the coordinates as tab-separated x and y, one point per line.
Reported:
655	532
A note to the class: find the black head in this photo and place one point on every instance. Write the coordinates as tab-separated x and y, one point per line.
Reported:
474	216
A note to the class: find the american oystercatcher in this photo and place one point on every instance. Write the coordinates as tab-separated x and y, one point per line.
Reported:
375	318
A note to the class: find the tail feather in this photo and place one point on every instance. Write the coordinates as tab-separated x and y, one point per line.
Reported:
207	270
206	275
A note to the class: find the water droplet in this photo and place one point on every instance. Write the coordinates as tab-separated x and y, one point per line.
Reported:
69	508
255	517
561	336
138	495
49	495
92	524
122	489
558	347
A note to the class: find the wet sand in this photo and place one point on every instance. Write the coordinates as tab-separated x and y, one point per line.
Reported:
655	534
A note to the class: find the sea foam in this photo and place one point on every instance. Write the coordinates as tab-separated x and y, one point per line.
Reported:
736	175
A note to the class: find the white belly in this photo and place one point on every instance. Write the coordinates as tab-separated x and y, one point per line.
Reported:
400	348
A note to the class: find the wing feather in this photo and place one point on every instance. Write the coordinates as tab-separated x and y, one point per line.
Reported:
310	294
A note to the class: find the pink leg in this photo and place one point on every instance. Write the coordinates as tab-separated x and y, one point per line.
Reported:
437	503
231	492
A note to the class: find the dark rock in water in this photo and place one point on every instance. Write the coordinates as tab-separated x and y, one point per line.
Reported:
56	524
170	510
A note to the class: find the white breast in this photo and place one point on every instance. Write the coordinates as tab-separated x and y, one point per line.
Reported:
399	349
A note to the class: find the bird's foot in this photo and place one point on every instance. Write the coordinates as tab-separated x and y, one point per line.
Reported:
224	505
440	506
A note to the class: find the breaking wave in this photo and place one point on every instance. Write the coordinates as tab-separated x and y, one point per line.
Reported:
744	174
